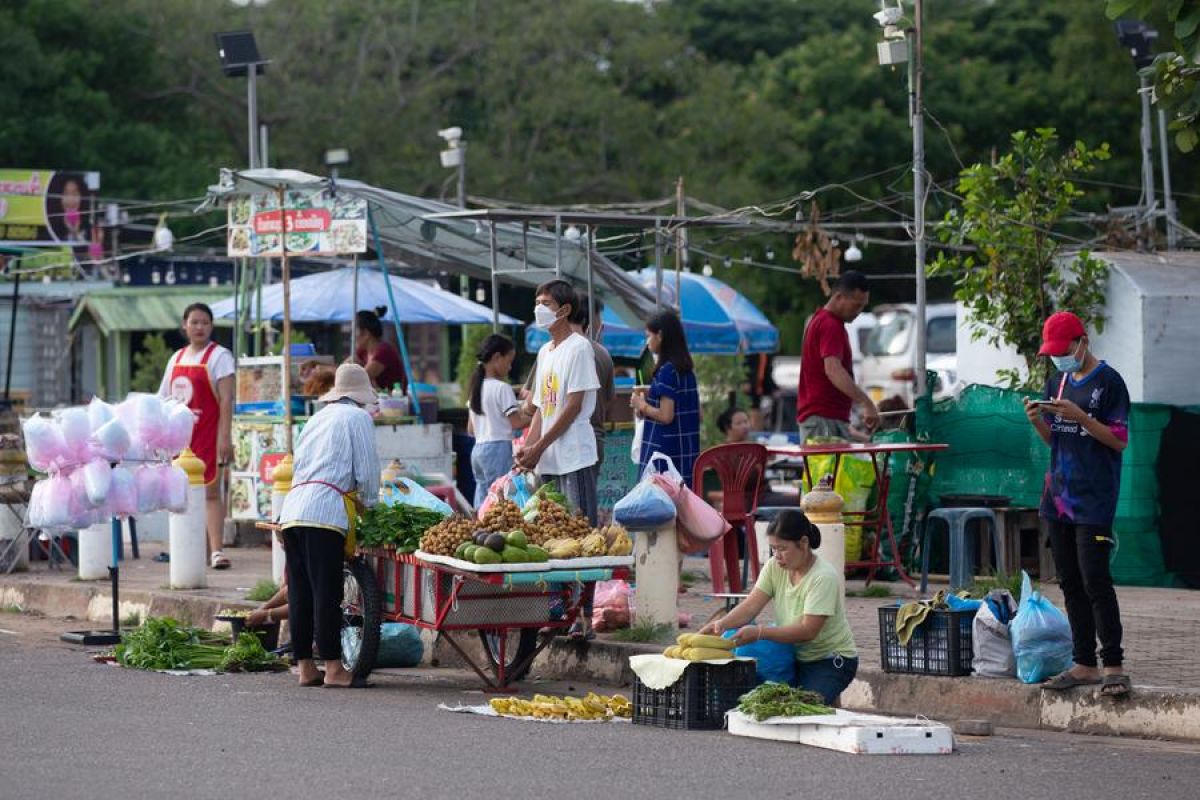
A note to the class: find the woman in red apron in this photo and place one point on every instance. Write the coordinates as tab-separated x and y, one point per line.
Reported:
201	376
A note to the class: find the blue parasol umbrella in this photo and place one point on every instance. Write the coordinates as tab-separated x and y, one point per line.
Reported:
329	297
621	340
717	318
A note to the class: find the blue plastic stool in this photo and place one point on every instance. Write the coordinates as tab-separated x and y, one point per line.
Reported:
956	520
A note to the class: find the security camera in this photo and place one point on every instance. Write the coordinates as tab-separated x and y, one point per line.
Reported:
451	135
888	16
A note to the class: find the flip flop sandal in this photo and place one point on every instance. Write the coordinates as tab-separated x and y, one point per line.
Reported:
1066	680
219	561
1115	686
317	681
357	683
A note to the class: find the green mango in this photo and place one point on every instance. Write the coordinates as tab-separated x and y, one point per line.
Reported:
537	554
514	555
469	552
461	552
486	555
516	539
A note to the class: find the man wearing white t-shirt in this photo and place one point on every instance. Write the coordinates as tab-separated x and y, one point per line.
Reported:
560	445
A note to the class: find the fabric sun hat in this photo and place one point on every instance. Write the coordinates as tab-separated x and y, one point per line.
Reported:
1058	332
351	381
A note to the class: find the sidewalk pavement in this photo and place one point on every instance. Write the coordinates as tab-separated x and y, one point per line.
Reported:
1162	643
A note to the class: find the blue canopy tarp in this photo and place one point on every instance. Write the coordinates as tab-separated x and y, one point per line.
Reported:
621	340
329	297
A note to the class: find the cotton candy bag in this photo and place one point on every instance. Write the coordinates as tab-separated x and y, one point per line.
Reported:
149	489
44	443
174	488
97	478
76	428
122	494
180	422
111	440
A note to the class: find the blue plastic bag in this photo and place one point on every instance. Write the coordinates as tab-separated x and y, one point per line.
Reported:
411	493
1041	637
646	506
399	645
773	661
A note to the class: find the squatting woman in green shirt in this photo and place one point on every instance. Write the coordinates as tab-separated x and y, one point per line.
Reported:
810	608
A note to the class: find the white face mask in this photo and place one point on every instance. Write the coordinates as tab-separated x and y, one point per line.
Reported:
543	317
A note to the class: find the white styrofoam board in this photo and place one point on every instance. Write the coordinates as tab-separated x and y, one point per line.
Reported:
850	732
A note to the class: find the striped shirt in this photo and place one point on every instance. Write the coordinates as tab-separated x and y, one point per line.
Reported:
337	446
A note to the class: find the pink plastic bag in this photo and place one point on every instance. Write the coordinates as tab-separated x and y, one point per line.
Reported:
611	608
697	524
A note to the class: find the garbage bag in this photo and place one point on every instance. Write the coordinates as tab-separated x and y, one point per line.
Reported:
399	645
991	640
773	661
1041	636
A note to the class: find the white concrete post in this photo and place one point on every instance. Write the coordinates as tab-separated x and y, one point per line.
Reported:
656	559
188	531
95	551
283	484
823	507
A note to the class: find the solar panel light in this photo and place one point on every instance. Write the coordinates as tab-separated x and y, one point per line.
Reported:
1138	38
238	51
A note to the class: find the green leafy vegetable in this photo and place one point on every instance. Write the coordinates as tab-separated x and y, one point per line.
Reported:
400	525
780	700
164	643
248	655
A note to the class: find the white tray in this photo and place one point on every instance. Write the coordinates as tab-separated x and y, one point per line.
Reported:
850	732
554	564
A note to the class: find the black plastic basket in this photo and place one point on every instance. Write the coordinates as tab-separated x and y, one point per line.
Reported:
698	700
942	644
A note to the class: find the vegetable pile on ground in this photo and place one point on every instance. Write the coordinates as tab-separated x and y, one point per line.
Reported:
398	526
163	643
780	700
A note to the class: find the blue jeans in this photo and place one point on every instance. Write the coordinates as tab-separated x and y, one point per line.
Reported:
489	460
827	677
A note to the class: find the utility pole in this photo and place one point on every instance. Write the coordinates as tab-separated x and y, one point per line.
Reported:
1168	200
680	243
917	119
1147	228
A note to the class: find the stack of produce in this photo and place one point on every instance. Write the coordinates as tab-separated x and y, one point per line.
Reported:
443	538
398	527
161	643
592	707
486	547
700	647
780	700
554	521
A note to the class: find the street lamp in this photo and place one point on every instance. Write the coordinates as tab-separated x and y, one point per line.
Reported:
455	156
239	56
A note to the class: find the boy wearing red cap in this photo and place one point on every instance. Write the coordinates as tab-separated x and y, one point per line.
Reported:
1083	416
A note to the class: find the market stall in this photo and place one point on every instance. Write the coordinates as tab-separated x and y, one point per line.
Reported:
515	578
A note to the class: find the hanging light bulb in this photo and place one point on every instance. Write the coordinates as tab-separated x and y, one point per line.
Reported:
707	270
171	276
163	238
770	254
728	262
156	276
853	253
212	280
480	294
127	277
745	258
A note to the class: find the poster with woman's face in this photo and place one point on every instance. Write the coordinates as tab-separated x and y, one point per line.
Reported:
44	208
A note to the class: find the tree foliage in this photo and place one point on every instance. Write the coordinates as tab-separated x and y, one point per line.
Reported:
1019	273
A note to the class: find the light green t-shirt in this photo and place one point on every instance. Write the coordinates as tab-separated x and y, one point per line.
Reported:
820	593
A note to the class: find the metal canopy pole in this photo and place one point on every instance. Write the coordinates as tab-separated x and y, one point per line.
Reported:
592	324
495	279
918	125
1172	214
387	281
658	270
354	314
285	271
12	334
557	245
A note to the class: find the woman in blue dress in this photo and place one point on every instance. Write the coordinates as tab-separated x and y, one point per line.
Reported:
671	408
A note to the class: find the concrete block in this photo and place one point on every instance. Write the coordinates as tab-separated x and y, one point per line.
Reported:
1146	712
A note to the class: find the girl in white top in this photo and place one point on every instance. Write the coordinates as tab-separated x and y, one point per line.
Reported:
494	413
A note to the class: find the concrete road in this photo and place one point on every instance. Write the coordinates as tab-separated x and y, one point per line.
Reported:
72	728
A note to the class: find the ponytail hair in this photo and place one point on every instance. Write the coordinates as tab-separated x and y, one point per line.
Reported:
493	345
369	321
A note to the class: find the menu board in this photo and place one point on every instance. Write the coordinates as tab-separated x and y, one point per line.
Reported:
311	223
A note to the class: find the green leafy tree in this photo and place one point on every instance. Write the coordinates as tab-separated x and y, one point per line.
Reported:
1017	273
719	378
472	338
150	363
1176	73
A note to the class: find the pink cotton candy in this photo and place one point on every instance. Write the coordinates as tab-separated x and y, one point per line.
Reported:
99	413
122	494
180	422
150	421
44	443
175	489
97	478
149	490
111	440
37	505
76	428
56	502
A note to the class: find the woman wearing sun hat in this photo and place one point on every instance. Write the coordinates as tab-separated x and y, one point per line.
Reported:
335	459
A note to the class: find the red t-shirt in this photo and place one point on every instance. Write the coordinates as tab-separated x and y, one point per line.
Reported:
825	336
393	366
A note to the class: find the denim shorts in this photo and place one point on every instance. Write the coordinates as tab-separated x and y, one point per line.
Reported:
489	460
827	677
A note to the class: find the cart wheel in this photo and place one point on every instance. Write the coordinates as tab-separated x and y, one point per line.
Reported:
361	618
519	643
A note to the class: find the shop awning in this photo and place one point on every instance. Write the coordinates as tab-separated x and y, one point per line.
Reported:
142	308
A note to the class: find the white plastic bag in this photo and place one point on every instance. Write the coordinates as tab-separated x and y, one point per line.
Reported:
37	505
991	641
635	449
56	502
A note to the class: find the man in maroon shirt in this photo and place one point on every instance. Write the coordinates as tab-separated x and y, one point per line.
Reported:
827	389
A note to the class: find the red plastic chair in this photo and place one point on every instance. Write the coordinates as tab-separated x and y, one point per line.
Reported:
740	469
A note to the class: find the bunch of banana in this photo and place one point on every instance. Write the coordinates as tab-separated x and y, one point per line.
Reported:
700	647
591	707
563	548
593	545
620	544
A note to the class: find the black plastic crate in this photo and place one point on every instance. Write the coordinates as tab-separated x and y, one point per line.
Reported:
941	645
698	700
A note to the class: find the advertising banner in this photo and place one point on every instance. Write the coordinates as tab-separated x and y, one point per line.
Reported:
316	224
43	208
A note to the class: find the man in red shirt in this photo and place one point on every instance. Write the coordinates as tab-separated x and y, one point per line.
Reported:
827	389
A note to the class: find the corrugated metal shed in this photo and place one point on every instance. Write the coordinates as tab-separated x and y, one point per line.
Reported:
142	308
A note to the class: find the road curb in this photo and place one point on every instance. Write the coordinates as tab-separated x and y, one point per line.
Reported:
1149	712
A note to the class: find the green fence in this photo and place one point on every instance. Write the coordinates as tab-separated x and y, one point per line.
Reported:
995	451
